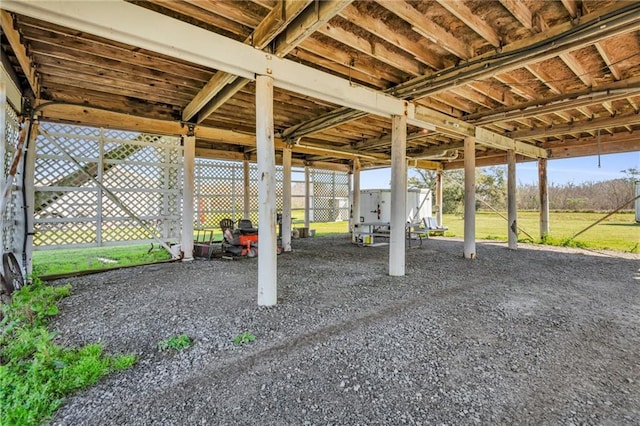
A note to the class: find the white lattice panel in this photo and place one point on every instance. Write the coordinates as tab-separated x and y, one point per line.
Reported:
11	133
140	173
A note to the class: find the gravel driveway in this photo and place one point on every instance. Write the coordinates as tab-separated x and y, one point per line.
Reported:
533	336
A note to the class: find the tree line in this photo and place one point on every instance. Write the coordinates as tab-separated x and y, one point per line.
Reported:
491	191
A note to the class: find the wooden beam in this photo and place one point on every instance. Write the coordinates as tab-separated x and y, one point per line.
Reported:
578	69
565	101
606	56
577	127
279	17
520	11
373	49
572	7
428	29
305	24
494	140
472	20
380	29
13	36
484	67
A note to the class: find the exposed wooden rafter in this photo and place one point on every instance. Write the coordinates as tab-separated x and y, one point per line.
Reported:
466	15
20	51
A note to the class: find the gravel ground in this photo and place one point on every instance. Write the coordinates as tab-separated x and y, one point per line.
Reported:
533	336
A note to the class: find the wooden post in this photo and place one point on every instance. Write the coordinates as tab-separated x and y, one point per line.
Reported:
246	195
307	197
355	207
470	197
512	208
286	200
544	197
439	197
267	267
29	188
188	187
398	195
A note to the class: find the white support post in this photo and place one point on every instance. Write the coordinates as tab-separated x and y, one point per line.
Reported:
29	188
188	187
286	200
544	197
470	197
246	197
267	262
398	195
512	209
307	197
355	209
439	176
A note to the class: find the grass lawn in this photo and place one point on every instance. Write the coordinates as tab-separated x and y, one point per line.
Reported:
619	232
50	262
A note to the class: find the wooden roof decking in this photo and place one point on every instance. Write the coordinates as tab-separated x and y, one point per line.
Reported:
561	75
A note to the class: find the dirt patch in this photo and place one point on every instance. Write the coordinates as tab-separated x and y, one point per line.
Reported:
529	336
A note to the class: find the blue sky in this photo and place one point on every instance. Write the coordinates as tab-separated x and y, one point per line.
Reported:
559	171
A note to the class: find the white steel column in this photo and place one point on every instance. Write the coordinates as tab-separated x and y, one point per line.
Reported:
188	187
398	195
439	197
544	198
512	209
246	196
307	197
286	200
355	207
470	197
267	262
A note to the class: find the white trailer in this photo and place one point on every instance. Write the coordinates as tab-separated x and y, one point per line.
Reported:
375	205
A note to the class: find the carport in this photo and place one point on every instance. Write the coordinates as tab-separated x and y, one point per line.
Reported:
335	85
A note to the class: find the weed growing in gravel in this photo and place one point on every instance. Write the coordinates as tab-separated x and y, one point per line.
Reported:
35	373
177	343
245	337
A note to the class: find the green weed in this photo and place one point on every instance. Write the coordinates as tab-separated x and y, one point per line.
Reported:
35	373
177	343
243	338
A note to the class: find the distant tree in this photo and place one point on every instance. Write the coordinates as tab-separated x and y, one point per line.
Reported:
633	174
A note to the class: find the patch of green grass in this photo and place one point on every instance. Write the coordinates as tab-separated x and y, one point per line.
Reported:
177	343
243	338
619	232
50	262
35	373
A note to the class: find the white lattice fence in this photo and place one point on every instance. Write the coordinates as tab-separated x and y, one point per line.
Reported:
13	210
220	190
142	172
330	195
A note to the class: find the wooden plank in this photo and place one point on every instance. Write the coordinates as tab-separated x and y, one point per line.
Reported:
494	140
373	49
305	24
603	49
578	69
577	127
428	29
472	20
520	11
572	7
13	36
380	29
